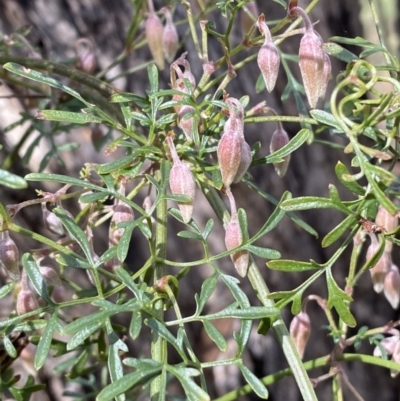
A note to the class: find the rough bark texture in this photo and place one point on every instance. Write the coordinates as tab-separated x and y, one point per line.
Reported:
56	25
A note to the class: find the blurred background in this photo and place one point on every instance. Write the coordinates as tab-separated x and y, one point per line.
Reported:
55	26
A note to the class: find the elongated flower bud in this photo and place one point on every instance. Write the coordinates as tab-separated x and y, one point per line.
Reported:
279	139
186	124
300	330
154	35
325	75
248	16
311	60
50	276
9	256
388	222
268	58
122	212
170	39
381	269
26	302
391	286
181	182
84	50
234	238
52	222
245	161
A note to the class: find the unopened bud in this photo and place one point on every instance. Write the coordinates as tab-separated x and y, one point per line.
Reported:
50	276
52	222
154	35
9	256
85	53
26	302
326	73
391	286
229	153
268	58
234	238
186	123
388	344
279	139
311	60
245	161
300	330
248	16
122	212
59	294
181	182
170	39
388	222
381	269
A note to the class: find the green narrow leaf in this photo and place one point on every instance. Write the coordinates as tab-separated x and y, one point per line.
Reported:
125	241
11	180
339	300
208	228
85	321
341	170
44	344
83	334
115	165
6	288
244	334
135	325
255	383
311	202
237	292
35	276
67	117
265	253
161	330
79	365
290	147
75	232
71	261
93	197
215	335
115	364
190	235
9	347
127	382
338	231
340	52
326	118
207	289
292	265
252	312
152	72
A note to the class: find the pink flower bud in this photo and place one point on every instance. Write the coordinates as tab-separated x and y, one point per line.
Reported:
181	182
268	58
9	256
84	50
388	344
186	124
391	286
122	212
234	238
26	302
170	39
300	330
50	276
311	60
52	222
381	269
279	139
245	161
326	73
249	16
388	222
154	35
59	294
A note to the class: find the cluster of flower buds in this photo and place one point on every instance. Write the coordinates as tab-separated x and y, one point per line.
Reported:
279	139
315	66
86	59
391	345
181	182
268	58
234	238
9	256
233	152
300	330
385	275
163	41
